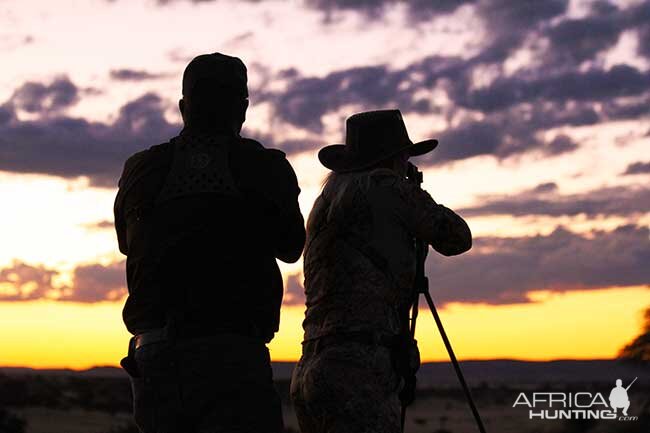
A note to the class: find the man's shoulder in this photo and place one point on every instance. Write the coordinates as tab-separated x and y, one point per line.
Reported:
274	159
144	157
263	163
251	145
152	152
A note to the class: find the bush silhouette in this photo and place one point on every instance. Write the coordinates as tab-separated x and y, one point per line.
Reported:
638	350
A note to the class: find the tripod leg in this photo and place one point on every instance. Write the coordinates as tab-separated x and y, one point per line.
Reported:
454	361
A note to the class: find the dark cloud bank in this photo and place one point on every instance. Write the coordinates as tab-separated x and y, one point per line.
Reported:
638	168
507	117
557	90
34	97
90	283
70	147
498	270
126	74
503	270
544	200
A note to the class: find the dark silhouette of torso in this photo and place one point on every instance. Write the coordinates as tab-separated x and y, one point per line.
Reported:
202	219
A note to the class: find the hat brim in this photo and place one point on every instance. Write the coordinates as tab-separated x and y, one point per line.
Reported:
338	159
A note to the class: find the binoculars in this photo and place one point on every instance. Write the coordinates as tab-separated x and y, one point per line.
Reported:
413	174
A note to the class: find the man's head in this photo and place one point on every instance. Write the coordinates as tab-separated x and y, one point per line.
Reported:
215	93
619	382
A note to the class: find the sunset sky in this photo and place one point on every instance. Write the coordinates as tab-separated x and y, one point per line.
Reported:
542	110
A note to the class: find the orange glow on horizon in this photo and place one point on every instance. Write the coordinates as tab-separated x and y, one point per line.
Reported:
574	325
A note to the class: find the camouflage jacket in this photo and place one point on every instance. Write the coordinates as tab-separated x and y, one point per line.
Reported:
360	254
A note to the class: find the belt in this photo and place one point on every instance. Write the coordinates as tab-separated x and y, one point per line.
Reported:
150	337
162	334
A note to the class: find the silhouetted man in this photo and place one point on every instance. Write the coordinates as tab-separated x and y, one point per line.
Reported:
202	219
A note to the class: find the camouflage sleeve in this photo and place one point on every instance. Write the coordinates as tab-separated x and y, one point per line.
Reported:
425	219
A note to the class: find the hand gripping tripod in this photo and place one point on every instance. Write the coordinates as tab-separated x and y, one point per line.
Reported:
421	287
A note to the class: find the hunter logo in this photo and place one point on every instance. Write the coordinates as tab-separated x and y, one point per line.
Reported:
578	405
618	397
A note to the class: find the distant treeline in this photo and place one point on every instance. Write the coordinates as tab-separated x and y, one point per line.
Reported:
106	394
62	391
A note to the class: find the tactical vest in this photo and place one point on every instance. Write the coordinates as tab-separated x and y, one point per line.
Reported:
194	253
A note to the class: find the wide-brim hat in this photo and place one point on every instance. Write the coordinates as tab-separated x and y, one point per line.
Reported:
371	137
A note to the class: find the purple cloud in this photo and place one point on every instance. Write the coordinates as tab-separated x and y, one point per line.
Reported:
545	200
101	225
498	270
505	270
27	282
126	74
91	283
71	147
95	283
514	110
36	97
419	10
638	168
593	85
294	292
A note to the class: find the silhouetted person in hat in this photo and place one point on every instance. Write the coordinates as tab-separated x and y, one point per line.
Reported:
359	270
202	219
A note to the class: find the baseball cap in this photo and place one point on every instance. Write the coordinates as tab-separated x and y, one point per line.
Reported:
224	71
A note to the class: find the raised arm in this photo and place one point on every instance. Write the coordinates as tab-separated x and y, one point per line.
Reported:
425	219
291	225
443	229
118	208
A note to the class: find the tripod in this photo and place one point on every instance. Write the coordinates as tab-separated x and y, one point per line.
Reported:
421	287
